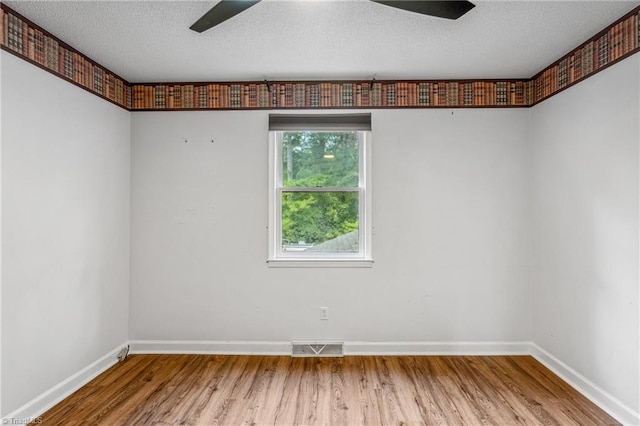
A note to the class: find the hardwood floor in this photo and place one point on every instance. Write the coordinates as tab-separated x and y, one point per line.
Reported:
372	390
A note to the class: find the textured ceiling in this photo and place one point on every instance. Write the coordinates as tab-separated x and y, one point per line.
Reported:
150	41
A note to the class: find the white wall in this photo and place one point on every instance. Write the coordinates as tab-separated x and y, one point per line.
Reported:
451	233
1	56
585	229
65	221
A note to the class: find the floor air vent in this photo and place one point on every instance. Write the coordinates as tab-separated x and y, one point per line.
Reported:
309	349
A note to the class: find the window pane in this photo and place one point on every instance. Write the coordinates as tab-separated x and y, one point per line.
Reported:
320	222
320	159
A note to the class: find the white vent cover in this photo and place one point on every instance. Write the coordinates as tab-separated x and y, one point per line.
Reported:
310	349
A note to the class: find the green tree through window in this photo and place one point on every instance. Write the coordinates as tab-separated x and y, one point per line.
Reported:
329	163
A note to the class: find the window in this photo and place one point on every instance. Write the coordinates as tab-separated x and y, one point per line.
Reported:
319	197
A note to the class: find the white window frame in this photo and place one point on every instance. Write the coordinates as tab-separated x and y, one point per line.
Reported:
279	258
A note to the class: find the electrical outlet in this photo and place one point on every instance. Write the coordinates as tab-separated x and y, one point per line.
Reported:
324	313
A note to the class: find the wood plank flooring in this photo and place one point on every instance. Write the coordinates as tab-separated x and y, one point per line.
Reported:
372	390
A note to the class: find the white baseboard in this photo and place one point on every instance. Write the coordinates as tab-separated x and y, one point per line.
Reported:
45	401
350	348
597	395
209	347
437	348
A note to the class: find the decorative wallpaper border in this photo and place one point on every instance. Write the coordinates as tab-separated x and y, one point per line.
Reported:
27	40
32	43
616	42
332	94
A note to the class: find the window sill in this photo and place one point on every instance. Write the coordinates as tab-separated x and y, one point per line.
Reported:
319	263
